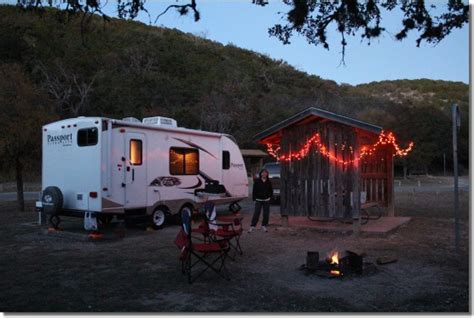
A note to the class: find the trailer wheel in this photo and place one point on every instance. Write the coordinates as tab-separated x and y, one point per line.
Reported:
52	199
158	218
186	206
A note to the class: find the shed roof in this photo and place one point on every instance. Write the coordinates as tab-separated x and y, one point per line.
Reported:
253	153
312	114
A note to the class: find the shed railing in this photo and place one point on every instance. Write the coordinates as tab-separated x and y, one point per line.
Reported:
377	178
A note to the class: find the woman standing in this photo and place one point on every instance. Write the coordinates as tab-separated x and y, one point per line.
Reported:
261	194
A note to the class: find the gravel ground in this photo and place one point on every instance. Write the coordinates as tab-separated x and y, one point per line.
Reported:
431	204
140	272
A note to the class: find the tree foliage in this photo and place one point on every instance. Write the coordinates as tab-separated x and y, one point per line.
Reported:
24	108
312	19
421	110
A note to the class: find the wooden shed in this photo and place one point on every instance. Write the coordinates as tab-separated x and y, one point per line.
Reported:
329	163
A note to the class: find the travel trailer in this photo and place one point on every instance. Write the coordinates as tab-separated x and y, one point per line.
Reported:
104	167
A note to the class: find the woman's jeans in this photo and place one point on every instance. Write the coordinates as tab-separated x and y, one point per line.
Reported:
256	213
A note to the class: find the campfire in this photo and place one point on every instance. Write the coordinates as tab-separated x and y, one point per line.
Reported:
334	261
335	265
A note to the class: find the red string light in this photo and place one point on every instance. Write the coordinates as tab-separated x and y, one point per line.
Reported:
386	139
365	151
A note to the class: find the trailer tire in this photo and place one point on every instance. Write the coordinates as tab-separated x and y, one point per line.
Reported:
186	206
158	217
52	199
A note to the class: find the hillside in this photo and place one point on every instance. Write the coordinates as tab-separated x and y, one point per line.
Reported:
422	109
419	92
124	68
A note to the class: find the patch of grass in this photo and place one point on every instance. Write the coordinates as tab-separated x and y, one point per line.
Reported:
431	204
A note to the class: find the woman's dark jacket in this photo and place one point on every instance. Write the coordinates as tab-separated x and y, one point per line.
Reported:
262	190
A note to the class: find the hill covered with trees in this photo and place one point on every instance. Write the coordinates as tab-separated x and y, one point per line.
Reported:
421	110
124	68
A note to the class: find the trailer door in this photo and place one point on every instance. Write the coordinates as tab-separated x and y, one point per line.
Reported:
135	171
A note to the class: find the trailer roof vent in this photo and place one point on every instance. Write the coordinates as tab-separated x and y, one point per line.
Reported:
131	119
160	121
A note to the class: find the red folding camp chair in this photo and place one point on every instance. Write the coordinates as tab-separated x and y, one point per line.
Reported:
203	231
231	230
228	228
210	254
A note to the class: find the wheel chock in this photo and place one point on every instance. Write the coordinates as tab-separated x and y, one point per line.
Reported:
54	229
95	235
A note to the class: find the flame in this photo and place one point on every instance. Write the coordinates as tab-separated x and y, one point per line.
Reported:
334	258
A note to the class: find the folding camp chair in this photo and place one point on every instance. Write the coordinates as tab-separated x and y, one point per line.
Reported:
209	253
203	229
229	229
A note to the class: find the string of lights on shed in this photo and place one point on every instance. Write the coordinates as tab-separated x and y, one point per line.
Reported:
365	151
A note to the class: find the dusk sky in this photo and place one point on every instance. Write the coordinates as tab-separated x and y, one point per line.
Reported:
246	25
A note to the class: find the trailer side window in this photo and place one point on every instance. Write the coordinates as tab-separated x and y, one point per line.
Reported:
184	161
225	160
136	152
87	137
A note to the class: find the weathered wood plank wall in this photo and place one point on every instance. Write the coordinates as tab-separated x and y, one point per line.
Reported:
377	177
316	185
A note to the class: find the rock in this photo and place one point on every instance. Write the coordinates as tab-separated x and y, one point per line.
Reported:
382	260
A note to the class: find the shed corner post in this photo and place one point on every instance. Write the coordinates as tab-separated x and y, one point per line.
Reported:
391	180
356	216
332	173
285	192
283	199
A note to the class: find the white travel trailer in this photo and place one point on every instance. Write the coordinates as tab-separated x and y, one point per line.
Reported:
127	167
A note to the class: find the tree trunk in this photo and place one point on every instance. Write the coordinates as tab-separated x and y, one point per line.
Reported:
405	171
19	184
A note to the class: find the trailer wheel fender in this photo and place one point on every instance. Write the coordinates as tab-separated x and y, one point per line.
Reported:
52	199
159	216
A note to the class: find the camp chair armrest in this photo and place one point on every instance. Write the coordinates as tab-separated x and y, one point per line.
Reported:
229	225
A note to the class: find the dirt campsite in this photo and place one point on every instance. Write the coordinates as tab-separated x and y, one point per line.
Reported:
134	270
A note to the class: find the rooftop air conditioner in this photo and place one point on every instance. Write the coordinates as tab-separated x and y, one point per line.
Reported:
160	121
131	119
